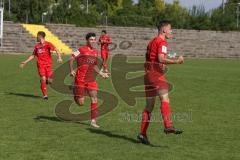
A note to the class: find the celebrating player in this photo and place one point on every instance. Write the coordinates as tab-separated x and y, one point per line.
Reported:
42	53
104	40
155	82
85	82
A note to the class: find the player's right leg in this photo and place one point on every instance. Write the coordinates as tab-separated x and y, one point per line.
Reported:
151	93
146	116
104	56
79	93
166	112
106	59
49	74
49	80
92	91
44	87
79	100
43	79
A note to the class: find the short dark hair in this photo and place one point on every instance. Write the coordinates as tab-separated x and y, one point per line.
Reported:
90	35
43	34
104	31
162	24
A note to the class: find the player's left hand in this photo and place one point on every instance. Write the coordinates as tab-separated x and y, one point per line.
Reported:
59	60
104	75
22	65
180	60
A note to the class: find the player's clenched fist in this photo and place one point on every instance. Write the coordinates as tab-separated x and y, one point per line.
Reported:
103	75
59	60
73	73
22	64
180	60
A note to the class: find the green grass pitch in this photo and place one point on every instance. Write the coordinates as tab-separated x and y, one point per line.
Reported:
206	92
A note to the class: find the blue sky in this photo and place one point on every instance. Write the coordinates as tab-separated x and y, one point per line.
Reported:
208	4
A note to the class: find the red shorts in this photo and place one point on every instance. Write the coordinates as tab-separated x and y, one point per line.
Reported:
81	88
104	54
45	71
155	82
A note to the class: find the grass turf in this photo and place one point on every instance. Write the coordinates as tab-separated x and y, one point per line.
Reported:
205	98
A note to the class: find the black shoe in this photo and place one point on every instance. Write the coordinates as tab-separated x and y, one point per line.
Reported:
143	139
45	97
172	130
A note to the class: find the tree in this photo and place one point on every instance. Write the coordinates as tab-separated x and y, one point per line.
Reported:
160	5
199	19
123	13
175	13
226	20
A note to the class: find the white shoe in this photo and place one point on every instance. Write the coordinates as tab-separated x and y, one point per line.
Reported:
94	124
106	71
45	97
101	70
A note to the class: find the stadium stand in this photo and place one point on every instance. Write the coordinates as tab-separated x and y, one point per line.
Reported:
33	30
15	39
130	40
190	43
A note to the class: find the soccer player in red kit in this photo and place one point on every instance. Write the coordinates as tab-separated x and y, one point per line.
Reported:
42	53
155	81
104	40
85	82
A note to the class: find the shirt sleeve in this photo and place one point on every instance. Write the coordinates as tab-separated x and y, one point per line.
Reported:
109	40
162	49
99	40
75	53
35	51
52	47
96	62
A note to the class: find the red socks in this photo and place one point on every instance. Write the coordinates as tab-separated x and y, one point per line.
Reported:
145	121
146	115
44	88
166	113
94	110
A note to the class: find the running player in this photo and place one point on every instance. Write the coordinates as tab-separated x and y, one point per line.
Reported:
42	53
104	40
85	82
155	82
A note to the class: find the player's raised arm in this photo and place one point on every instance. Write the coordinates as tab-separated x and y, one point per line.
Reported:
109	41
22	64
164	60
101	41
75	54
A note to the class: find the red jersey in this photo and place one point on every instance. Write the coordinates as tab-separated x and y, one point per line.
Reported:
155	47
86	60
104	46
43	54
